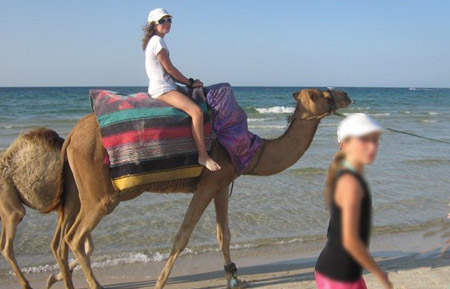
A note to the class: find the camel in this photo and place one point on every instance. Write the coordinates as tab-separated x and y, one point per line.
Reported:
85	155
33	175
25	181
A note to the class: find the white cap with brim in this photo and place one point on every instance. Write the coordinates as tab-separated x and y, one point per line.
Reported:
156	14
357	125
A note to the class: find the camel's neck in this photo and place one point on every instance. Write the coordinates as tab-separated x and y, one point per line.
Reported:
281	153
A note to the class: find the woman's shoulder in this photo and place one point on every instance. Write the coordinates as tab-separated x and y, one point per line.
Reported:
350	177
155	44
156	39
347	177
349	184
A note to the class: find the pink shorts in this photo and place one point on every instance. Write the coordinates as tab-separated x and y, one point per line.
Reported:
324	282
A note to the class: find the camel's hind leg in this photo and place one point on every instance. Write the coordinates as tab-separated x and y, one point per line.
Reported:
60	251
52	279
224	238
68	212
98	198
11	214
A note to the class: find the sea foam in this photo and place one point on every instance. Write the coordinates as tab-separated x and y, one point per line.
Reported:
275	109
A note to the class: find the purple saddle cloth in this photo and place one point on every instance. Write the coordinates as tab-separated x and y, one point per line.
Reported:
230	126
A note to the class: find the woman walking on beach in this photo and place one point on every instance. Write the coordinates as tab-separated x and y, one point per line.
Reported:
348	198
163	74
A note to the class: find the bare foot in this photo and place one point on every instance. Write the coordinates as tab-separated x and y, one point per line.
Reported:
209	163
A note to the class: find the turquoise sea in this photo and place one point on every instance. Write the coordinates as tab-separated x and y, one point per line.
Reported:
410	180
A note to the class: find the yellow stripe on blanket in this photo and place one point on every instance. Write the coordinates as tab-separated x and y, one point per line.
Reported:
130	181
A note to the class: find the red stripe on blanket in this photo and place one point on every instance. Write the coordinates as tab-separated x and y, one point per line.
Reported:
150	134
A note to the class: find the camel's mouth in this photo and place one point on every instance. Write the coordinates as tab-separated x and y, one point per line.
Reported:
342	99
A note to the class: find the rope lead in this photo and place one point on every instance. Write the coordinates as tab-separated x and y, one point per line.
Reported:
407	133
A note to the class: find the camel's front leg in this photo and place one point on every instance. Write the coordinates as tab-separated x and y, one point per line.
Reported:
224	239
199	202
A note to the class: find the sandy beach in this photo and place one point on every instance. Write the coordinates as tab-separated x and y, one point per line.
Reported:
411	258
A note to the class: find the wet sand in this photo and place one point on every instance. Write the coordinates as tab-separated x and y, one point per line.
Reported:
410	258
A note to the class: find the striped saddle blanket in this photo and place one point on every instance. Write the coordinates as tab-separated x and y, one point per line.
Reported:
147	140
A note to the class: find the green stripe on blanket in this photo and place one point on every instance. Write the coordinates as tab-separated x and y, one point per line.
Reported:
139	113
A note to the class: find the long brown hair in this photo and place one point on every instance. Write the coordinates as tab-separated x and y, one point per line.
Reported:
149	31
331	176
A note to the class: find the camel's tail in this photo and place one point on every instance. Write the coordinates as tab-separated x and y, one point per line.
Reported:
59	198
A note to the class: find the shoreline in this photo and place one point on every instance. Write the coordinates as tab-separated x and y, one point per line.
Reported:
410	258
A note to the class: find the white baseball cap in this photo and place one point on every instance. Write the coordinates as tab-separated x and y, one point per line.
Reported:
357	125
156	14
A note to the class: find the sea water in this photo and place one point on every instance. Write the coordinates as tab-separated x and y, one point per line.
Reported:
410	180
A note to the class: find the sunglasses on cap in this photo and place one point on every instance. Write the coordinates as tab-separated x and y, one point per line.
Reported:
165	20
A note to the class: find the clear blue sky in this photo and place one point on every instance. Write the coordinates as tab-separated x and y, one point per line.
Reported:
244	42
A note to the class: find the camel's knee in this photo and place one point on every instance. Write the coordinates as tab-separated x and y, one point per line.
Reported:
56	238
181	242
75	243
89	246
16	216
8	249
61	252
74	240
223	235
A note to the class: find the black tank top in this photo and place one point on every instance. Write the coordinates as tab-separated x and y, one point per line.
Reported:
334	261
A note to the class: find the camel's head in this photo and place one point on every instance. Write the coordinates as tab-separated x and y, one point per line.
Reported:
316	102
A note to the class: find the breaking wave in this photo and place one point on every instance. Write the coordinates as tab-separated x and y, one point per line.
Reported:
274	109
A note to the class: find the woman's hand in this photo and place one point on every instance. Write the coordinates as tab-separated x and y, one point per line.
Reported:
385	282
197	83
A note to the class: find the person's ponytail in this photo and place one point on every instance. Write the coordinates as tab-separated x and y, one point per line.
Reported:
331	177
149	30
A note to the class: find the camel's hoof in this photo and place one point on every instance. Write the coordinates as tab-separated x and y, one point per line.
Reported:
232	280
235	283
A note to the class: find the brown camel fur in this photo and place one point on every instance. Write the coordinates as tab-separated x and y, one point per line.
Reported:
30	175
85	155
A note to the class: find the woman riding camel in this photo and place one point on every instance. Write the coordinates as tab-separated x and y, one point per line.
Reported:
348	198
163	74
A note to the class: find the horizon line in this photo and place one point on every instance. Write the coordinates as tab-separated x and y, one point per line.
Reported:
312	86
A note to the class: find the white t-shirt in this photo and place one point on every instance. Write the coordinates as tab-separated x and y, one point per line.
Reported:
160	81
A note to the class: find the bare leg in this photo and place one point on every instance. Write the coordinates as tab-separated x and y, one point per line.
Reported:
224	239
11	213
199	202
181	101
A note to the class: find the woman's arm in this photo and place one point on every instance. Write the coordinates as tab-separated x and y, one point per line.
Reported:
348	196
164	58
